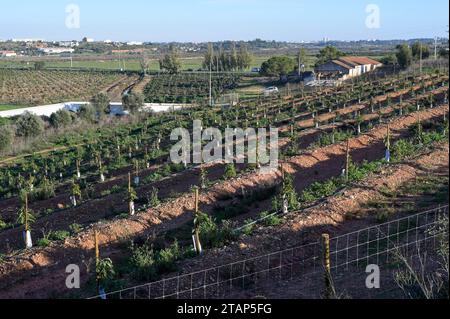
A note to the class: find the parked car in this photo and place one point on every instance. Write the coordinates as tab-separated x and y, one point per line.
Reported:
271	90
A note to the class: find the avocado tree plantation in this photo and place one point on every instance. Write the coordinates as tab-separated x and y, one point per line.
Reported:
123	176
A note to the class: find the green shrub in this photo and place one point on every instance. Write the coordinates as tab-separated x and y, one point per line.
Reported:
225	235
6	137
359	172
75	228
116	189
153	199
29	124
143	263
249	228
320	190
168	256
43	242
287	192
46	190
88	113
403	149
59	235
207	229
211	234
105	270
60	119
270	219
230	171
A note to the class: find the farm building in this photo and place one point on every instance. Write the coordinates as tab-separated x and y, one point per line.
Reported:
8	54
347	67
56	50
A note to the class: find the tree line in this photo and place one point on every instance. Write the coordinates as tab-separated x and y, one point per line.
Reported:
225	61
405	54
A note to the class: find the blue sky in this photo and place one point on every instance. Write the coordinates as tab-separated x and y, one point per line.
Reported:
210	20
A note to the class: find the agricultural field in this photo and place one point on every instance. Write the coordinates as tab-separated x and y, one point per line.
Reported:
187	88
116	189
31	88
6	107
125	64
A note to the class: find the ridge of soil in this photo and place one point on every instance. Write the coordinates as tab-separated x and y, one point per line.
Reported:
45	267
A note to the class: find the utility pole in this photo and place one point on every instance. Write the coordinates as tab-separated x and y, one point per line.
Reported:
210	81
435	48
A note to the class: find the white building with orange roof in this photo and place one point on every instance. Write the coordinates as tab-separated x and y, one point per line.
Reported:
347	67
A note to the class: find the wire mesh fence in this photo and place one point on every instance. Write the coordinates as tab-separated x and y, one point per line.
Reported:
301	269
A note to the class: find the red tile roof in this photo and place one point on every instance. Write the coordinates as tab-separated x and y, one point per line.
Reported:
359	60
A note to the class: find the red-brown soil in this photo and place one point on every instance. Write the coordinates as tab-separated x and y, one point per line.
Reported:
50	262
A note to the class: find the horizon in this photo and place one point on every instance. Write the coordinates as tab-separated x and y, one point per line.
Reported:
223	41
282	21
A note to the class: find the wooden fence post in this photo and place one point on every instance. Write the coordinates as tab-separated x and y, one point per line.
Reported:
347	160
388	144
97	257
327	265
26	212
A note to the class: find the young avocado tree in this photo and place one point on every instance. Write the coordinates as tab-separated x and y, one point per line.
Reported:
147	158
388	144
76	193
359	120
258	163
101	169
287	198
288	194
197	222
104	273
431	100
316	123
136	173
30	183
26	218
203	177
153	200
419	131
104	268
230	171
132	196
